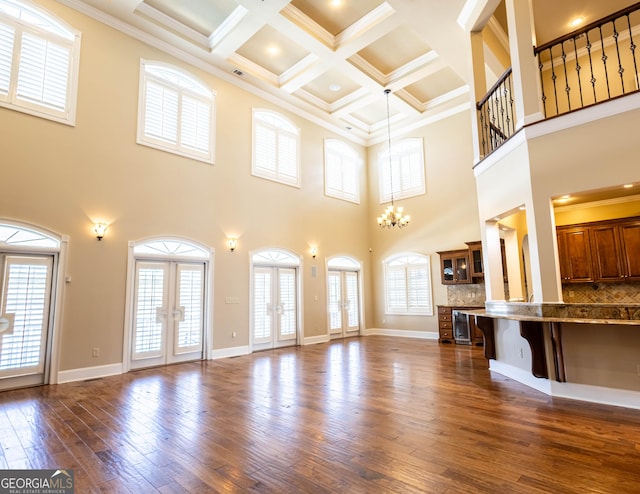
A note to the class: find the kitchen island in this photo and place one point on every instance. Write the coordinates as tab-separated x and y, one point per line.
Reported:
581	351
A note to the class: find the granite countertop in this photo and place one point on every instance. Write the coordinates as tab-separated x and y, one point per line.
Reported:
560	312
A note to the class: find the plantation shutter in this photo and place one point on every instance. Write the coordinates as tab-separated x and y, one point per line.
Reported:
161	112
7	34
351	287
195	122
262	304
190	285
150	311
341	170
287	302
396	289
407	170
43	72
26	302
335	312
418	289
265	149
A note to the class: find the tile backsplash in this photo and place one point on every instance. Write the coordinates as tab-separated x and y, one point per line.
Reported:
601	293
575	293
466	295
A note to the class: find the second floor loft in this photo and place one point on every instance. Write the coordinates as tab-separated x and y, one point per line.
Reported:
593	63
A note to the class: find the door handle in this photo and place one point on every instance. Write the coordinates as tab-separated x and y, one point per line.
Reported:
6	323
178	314
161	314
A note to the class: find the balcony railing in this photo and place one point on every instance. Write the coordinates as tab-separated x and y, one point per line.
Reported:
590	65
496	114
593	64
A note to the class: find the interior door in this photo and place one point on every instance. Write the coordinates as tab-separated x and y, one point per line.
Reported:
168	314
24	319
275	311
343	303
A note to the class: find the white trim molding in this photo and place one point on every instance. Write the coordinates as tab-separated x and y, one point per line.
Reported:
85	373
403	333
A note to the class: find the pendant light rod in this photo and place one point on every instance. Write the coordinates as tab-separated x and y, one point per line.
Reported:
391	217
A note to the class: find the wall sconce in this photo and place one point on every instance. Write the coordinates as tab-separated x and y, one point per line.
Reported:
314	251
232	243
100	229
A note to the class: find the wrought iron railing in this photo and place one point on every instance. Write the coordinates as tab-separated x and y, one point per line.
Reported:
593	64
496	114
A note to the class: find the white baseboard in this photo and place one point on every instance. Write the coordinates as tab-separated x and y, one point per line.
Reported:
596	394
314	340
573	391
521	375
235	351
425	335
67	376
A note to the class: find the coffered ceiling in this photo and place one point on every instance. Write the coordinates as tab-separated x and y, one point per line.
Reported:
328	60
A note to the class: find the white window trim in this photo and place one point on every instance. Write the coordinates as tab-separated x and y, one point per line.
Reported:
276	176
355	165
425	261
10	101
383	167
169	147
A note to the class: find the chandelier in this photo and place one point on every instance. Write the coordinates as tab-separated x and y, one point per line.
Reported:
392	216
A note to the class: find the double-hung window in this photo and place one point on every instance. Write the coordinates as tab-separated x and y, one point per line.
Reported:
175	112
276	144
404	177
408	285
39	59
341	171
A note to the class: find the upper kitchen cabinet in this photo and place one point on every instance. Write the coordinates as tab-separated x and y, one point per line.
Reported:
616	246
454	267
574	251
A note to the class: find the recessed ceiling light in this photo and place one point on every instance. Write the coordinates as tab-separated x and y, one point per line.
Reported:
627	186
273	50
335	87
576	22
336	3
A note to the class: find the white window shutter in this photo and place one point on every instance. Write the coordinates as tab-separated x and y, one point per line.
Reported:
177	115
341	171
275	148
7	34
407	167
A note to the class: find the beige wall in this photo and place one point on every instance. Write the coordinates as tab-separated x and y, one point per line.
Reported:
443	219
66	178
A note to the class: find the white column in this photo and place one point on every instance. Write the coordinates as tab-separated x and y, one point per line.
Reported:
526	78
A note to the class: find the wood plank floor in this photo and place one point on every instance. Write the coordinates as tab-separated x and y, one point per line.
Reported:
373	414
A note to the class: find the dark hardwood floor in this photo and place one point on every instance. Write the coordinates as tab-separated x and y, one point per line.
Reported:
374	415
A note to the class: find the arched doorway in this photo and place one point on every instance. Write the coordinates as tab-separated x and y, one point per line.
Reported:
343	296
168	307
275	292
31	263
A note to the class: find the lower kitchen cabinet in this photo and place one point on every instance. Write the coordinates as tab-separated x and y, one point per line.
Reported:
461	330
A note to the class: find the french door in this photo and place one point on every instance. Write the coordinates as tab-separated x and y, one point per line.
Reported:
25	299
275	307
343	303
168	313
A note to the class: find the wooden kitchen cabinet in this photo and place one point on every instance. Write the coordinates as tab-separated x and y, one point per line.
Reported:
603	251
454	267
475	259
574	251
615	251
445	324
